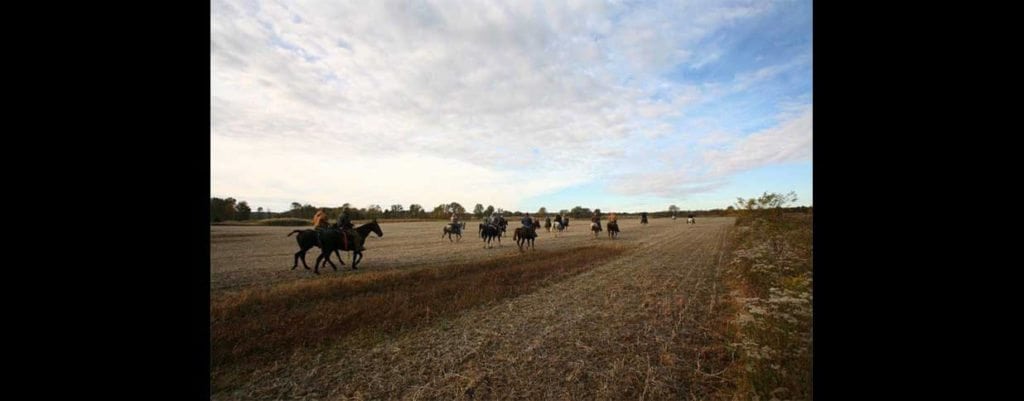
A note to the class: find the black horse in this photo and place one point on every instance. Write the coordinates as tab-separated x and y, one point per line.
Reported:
503	224
643	218
308	239
489	232
613	229
456	229
332	240
525	235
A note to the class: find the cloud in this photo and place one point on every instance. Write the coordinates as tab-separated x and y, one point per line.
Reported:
522	92
705	165
790	141
262	169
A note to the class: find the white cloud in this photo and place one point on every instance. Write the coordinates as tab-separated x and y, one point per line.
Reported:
789	141
705	164
519	92
262	169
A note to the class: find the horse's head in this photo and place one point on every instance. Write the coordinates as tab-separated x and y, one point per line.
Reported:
375	227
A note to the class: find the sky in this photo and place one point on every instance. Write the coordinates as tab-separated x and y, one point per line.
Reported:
618	105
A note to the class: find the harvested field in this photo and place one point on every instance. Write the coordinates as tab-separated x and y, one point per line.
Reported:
640	317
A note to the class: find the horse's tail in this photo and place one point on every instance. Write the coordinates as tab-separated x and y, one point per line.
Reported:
293	232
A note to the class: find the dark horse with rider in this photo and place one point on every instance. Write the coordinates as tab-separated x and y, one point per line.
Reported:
493	228
341	236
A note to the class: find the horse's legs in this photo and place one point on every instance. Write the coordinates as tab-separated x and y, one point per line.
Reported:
355	261
328	259
319	261
301	255
338	254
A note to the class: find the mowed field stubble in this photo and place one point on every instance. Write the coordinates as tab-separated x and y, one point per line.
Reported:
640	317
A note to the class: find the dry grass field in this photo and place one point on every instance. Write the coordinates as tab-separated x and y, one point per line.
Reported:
645	316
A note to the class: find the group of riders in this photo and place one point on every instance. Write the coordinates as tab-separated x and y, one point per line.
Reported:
345	225
530	223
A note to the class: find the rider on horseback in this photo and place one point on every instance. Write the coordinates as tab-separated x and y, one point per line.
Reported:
346	227
456	228
319	223
596	219
527	221
345	221
320	219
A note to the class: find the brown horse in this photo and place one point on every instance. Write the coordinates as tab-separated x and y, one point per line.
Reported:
525	235
613	229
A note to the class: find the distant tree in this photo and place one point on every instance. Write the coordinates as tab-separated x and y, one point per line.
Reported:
478	211
296	205
674	209
564	212
259	212
396	210
489	211
766	201
307	211
216	209
580	211
455	207
373	211
415	209
243	210
229	209
543	211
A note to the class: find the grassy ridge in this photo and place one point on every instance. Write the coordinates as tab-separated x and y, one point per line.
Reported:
772	276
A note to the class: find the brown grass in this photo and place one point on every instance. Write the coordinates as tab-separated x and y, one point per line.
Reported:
253	328
772	279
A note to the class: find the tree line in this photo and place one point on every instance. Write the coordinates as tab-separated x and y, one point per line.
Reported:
230	209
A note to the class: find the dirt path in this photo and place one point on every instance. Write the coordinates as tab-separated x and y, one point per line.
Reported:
639	327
